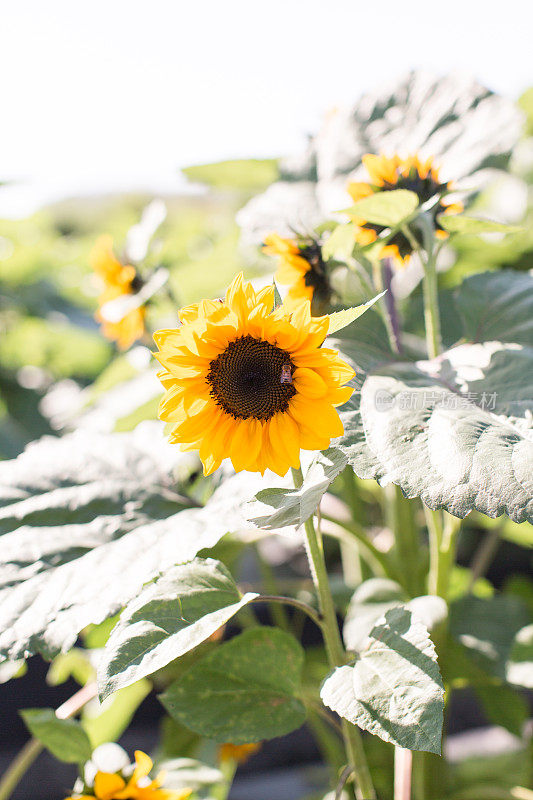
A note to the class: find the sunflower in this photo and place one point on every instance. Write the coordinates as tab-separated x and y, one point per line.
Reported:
301	267
250	383
118	280
113	785
387	174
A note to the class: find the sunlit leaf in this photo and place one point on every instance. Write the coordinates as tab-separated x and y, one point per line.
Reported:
170	617
341	319
394	689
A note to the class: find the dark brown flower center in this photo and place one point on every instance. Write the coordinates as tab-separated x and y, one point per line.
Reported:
425	188
252	378
317	275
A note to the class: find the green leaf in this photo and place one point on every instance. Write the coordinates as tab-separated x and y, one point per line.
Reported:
374	597
170	617
107	721
250	175
91	519
486	627
497	306
394	689
245	691
340	319
459	224
519	667
385	208
369	602
64	738
503	707
439	430
276	508
341	243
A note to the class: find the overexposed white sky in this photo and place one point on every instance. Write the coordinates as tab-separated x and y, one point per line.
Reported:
113	95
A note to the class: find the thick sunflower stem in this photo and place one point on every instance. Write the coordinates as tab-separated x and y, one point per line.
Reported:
334	649
443	530
430	290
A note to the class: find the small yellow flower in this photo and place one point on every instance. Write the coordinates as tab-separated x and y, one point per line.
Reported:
118	280
237	752
387	174
301	267
250	383
112	786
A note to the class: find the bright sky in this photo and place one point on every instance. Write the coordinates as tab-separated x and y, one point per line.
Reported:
119	94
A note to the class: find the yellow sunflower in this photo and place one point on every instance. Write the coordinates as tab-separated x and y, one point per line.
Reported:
301	267
411	173
112	786
250	383
118	280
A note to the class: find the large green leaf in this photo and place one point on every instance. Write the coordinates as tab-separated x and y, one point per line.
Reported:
170	617
98	522
487	627
245	691
497	306
64	738
394	689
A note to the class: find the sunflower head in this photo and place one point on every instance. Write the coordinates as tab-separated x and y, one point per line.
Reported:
413	174
302	268
117	280
250	383
129	784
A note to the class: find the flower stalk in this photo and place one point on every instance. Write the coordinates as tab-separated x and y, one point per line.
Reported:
430	290
334	648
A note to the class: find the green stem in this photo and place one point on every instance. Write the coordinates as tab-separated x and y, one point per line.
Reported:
350	531
228	769
399	518
443	530
334	649
18	767
290	601
483	556
431	291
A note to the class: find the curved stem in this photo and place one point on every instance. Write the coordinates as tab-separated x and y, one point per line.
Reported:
290	601
27	754
334	648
